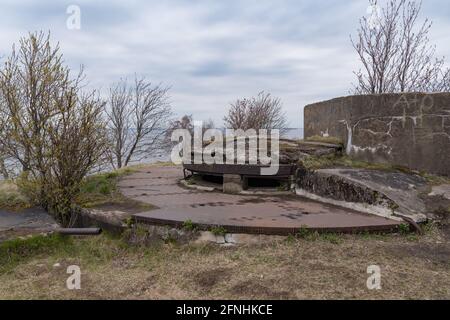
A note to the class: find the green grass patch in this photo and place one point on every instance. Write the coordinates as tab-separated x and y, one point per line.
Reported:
94	250
218	231
101	189
188	225
404	229
13	252
308	235
95	190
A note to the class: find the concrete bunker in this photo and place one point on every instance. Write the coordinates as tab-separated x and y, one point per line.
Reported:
237	178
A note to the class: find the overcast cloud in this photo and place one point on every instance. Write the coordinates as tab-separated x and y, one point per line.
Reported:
212	52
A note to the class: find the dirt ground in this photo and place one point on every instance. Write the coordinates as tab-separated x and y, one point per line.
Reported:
412	267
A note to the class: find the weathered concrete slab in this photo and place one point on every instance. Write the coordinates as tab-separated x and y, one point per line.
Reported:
290	153
34	218
380	192
239	213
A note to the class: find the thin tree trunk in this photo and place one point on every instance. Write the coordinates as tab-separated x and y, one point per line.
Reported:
3	170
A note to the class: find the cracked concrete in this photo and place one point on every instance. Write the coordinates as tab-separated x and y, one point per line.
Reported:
383	193
34	218
411	130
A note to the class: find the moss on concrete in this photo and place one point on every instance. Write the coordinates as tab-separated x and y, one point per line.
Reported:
335	161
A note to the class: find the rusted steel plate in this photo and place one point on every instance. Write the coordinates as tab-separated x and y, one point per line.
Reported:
245	170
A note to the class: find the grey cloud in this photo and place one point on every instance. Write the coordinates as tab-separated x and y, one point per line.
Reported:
212	52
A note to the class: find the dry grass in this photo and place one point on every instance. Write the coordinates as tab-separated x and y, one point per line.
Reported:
320	268
11	198
333	161
332	140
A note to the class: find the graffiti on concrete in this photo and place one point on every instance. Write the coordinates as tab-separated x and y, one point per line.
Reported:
405	129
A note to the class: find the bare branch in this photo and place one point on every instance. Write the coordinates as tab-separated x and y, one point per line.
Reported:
261	112
395	51
137	118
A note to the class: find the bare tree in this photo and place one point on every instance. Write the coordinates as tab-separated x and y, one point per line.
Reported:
394	49
3	170
49	125
137	117
442	83
261	112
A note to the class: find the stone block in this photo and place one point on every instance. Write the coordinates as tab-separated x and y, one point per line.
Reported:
232	184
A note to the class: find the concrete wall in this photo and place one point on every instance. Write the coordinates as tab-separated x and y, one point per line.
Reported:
411	130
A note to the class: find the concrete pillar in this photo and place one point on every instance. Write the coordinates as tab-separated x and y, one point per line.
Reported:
232	183
244	183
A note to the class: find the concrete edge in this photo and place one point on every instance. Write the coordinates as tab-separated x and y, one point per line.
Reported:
282	231
197	187
361	207
379	210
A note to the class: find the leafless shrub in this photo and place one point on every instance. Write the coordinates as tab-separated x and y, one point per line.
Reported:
261	112
137	120
396	53
49	125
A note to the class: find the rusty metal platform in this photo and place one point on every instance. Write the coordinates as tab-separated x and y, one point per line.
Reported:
239	213
244	170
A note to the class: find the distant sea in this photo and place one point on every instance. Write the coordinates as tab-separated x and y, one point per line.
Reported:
295	133
164	155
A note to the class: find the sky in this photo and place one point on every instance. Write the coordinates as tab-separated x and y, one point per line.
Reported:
211	52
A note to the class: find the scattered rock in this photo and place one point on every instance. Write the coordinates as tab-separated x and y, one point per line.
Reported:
148	234
175	234
229	238
220	239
